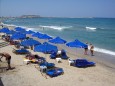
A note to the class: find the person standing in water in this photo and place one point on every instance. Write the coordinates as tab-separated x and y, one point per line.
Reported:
92	50
86	49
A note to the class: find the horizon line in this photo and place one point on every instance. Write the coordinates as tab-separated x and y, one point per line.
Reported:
51	17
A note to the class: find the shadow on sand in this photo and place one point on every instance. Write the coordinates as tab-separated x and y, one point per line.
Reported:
3	69
1	83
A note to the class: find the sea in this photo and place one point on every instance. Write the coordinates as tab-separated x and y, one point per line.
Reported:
97	31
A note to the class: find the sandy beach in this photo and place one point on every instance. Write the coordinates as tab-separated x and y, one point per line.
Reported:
29	75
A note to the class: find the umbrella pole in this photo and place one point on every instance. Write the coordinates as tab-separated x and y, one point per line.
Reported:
45	54
76	52
45	51
59	47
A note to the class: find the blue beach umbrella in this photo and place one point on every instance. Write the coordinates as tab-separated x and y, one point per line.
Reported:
37	34
57	40
45	48
29	32
18	36
76	44
4	30
45	36
30	42
17	33
10	32
19	29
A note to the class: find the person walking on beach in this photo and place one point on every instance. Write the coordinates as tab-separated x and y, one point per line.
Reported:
92	49
8	58
86	49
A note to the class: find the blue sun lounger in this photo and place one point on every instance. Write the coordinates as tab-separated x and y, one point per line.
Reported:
83	63
63	54
21	51
48	65
53	55
54	72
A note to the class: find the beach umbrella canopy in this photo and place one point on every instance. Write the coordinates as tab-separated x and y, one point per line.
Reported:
18	36
30	42
29	32
17	33
10	32
19	29
4	30
45	36
37	34
76	44
57	40
45	47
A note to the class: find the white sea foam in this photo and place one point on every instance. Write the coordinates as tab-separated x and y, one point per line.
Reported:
9	25
91	28
56	27
22	27
29	29
26	28
104	51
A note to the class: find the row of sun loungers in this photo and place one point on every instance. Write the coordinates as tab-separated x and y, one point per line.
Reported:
45	67
50	68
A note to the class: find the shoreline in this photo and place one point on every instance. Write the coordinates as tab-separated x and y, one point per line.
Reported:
97	49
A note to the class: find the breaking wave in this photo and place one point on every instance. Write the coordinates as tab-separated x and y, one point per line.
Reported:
104	51
92	28
56	27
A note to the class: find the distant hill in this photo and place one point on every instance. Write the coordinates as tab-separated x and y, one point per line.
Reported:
30	16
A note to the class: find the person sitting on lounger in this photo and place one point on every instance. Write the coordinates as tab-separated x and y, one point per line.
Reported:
30	56
8	58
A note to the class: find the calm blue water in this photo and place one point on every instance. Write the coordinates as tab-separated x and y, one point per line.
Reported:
98	31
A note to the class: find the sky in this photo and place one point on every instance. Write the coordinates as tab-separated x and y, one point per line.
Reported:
58	8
